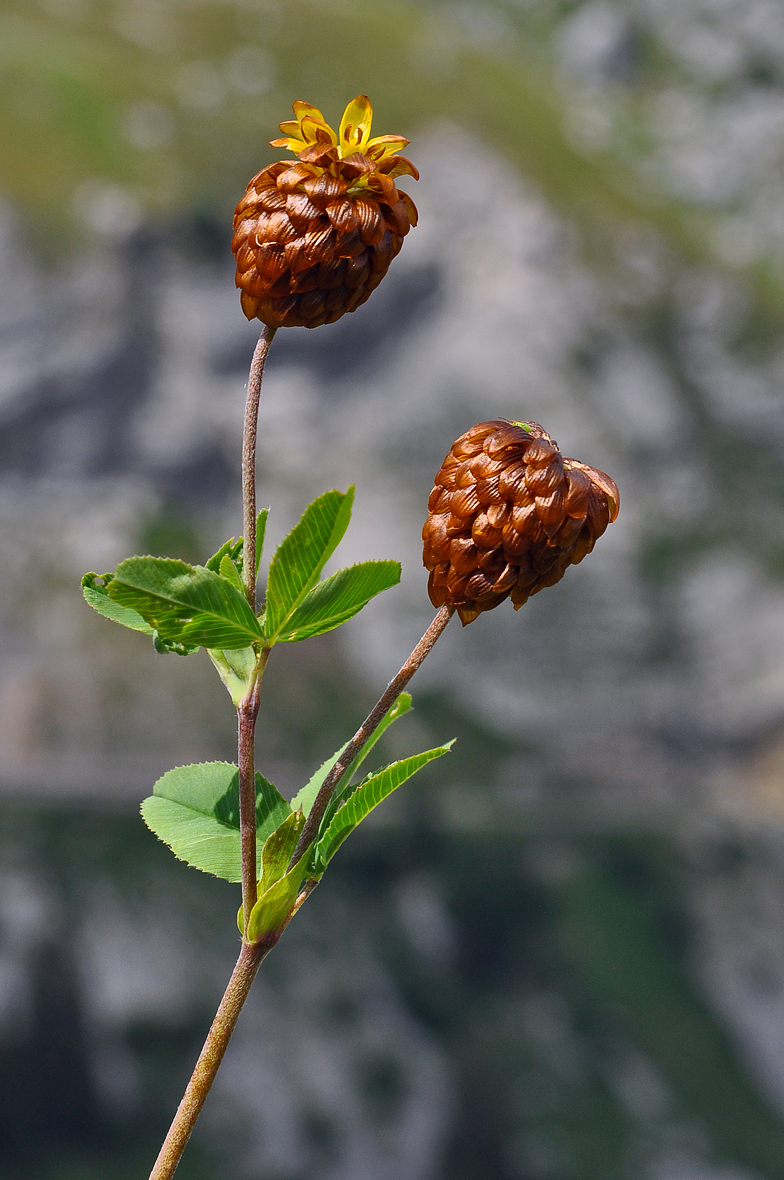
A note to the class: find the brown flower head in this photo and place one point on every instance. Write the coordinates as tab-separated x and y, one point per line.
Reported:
507	515
313	237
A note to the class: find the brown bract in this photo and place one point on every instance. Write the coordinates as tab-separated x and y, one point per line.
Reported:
507	515
314	236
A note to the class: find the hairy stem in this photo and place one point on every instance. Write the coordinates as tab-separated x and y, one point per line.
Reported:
368	728
248	708
247	712
209	1060
251	955
249	463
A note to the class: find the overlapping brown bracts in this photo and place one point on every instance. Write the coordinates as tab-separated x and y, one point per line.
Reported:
508	514
311	243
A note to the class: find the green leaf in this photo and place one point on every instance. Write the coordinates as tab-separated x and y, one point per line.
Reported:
98	598
273	908
196	811
339	598
305	797
229	571
278	849
261	528
185	603
95	591
365	798
231	549
299	559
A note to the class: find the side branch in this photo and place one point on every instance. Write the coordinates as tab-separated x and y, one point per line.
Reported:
368	728
249	463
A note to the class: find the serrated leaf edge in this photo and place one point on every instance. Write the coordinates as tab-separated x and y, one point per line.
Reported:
321	860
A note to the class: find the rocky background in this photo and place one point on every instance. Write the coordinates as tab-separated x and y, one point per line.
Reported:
559	954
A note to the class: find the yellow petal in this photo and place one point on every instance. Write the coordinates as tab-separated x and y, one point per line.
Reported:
355	126
293	143
291	127
385	145
302	109
315	130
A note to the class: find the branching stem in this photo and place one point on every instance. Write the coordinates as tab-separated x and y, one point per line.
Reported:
251	956
247	711
368	728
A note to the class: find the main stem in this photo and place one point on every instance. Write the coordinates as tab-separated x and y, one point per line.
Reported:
248	708
251	956
209	1060
247	711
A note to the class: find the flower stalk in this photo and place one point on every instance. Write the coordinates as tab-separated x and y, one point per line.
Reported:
249	433
368	728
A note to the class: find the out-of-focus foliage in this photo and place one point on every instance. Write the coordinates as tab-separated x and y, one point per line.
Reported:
111	110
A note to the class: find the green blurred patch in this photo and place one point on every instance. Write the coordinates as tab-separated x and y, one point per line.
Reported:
171	534
106	106
623	930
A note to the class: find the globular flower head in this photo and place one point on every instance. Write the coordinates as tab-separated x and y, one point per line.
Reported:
314	237
508	514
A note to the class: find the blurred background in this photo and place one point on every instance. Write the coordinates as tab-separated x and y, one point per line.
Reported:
559	953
